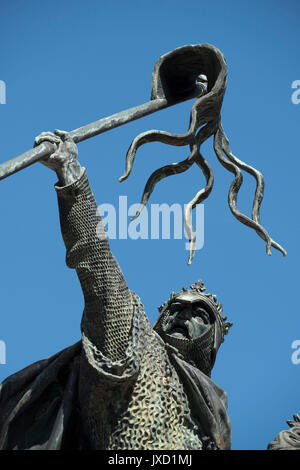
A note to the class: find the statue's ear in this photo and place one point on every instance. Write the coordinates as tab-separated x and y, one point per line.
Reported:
175	73
157	324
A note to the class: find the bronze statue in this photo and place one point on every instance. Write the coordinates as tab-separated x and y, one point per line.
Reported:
125	385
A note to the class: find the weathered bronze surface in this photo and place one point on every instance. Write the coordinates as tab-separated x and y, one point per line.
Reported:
125	384
289	439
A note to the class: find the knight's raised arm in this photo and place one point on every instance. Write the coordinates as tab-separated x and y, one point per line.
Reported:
108	301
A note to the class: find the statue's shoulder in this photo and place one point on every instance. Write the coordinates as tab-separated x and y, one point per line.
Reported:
32	400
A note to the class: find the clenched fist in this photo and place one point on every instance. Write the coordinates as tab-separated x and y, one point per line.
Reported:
64	161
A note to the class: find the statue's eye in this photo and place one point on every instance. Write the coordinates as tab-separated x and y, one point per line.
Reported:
201	312
175	307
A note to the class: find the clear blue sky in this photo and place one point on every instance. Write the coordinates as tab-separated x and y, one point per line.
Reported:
69	63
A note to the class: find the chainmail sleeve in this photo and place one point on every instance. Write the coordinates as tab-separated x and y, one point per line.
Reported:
109	305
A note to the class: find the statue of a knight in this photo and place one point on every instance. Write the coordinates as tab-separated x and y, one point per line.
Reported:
125	384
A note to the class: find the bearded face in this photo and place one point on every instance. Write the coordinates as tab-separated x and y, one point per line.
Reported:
189	317
192	322
189	322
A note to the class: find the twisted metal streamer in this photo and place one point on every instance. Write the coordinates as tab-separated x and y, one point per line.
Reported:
259	191
180	167
205	112
200	113
175	168
158	175
198	198
153	136
231	165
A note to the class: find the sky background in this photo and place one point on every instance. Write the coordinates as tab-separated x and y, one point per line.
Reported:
68	63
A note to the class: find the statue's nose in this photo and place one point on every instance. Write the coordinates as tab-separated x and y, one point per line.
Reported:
185	314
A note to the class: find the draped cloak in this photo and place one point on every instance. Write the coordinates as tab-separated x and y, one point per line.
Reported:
39	404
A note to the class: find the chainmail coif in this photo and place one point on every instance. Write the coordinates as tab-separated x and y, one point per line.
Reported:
130	395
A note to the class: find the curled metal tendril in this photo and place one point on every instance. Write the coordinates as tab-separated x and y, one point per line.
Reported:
233	165
198	198
152	136
228	161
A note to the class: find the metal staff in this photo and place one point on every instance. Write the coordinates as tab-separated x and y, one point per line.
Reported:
179	85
